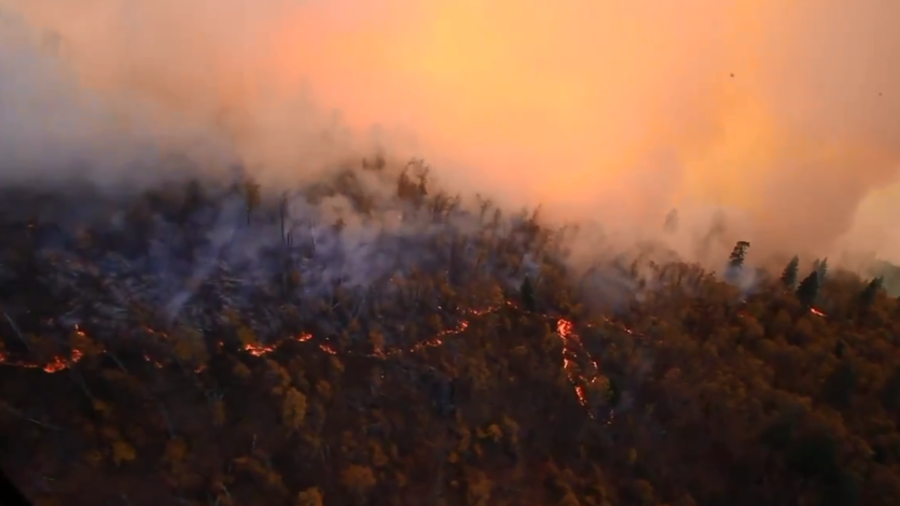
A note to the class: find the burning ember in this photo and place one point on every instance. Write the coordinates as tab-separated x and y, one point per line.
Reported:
572	347
572	350
258	350
55	365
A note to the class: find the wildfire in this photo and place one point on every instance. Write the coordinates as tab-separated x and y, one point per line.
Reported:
816	312
572	350
156	332
258	350
619	325
573	347
55	365
437	340
155	363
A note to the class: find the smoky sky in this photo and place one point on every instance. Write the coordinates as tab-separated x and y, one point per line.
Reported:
781	115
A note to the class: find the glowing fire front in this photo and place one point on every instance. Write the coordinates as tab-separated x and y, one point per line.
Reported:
580	368
572	351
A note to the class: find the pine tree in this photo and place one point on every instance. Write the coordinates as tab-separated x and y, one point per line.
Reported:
821	268
738	255
671	224
526	292
808	289
866	297
252	197
789	274
736	260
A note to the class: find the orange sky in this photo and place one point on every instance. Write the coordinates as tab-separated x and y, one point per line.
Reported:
612	109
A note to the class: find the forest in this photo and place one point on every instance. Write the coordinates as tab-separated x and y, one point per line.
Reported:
369	340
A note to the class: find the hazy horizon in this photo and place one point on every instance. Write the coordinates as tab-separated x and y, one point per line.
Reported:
782	116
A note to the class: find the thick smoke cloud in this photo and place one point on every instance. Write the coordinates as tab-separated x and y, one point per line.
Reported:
780	116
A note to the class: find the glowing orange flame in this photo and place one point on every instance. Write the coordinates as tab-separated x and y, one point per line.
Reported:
572	349
156	332
55	365
258	350
816	312
155	363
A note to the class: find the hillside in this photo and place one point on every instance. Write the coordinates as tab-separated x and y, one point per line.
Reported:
891	275
369	341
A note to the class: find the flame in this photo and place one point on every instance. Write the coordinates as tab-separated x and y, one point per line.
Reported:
258	350
56	364
816	312
572	350
157	333
155	363
573	347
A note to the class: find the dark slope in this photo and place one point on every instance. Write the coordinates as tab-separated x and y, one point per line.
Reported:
366	342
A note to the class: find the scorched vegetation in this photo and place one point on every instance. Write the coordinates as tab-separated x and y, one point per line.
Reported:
369	340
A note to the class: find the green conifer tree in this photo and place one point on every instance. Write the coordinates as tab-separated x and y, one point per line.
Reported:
790	272
526	292
866	297
738	255
808	289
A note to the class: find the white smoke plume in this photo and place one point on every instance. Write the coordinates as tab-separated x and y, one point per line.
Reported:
779	116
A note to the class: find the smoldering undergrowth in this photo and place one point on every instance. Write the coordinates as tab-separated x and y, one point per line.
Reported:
372	245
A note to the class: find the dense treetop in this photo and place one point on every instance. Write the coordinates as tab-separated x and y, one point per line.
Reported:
372	341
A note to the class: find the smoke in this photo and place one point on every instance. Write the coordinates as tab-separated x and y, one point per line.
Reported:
778	119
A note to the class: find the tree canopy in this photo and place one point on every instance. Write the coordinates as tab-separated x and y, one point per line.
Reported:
212	345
